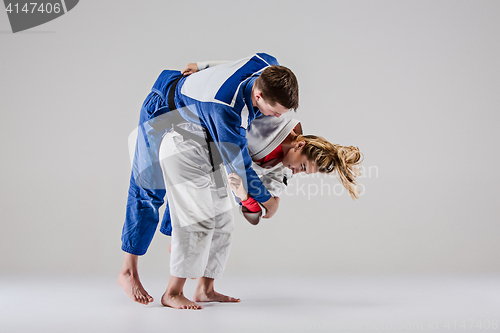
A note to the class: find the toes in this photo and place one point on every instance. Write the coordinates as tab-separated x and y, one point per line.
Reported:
225	298
142	298
194	307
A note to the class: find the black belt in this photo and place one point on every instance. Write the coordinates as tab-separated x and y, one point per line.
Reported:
209	144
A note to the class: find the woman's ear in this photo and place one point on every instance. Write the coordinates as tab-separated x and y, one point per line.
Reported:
299	145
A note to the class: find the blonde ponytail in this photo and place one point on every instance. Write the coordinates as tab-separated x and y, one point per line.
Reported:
328	157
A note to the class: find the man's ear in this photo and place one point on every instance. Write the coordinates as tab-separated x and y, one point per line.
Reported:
257	94
298	129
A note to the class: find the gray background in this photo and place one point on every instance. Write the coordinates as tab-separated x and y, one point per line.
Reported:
414	84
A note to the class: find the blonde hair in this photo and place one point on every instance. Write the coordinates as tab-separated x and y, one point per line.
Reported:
329	157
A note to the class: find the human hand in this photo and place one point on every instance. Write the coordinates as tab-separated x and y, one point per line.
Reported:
271	206
190	69
236	185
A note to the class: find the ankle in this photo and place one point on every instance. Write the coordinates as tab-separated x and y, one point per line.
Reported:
205	285
128	272
174	293
203	289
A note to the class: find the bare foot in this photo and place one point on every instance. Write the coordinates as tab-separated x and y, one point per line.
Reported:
213	296
178	301
134	288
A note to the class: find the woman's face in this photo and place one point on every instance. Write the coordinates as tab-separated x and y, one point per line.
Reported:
295	161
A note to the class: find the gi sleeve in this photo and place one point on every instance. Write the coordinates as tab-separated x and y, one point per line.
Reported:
224	126
273	180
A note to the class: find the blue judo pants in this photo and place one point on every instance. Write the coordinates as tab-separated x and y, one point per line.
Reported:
147	189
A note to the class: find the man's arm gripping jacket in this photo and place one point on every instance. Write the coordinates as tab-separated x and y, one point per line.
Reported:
219	96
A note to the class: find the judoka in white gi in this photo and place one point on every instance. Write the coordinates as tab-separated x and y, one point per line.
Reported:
204	246
202	222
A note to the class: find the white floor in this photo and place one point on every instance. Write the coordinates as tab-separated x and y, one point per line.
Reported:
444	303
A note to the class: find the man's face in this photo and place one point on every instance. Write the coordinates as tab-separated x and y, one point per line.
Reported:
267	109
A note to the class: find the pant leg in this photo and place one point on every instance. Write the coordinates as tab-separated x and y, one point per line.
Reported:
195	208
147	189
166	225
220	247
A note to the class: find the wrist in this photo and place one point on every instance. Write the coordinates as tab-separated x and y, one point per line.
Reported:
267	201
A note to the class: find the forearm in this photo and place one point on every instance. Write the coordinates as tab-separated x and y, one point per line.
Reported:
251	205
232	144
207	64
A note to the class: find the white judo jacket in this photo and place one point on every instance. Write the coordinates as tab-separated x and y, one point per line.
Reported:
264	134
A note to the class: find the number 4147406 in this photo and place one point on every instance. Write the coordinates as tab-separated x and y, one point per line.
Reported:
472	323
34	7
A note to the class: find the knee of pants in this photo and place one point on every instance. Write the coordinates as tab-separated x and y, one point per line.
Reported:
224	223
202	227
137	194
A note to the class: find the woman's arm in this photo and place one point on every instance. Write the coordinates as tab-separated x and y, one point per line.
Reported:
250	209
194	67
273	180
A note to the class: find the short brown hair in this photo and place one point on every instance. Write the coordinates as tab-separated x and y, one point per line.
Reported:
279	85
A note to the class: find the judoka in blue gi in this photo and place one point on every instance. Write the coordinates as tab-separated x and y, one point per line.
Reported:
220	101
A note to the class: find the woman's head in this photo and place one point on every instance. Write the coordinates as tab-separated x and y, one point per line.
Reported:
312	154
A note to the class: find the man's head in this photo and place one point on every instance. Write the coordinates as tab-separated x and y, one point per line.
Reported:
275	91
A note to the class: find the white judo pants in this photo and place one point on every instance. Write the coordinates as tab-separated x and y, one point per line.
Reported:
202	223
